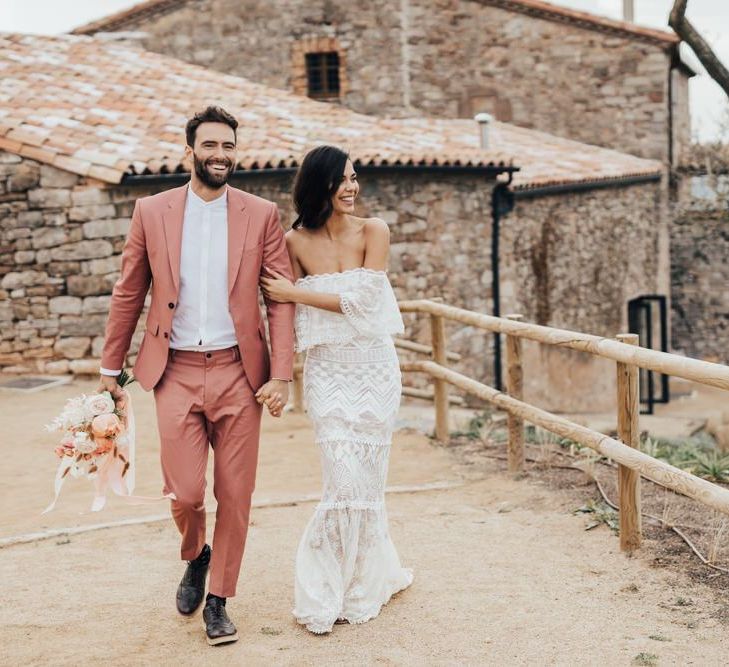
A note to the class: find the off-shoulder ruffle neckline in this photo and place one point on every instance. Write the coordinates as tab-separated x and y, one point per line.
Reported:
313	276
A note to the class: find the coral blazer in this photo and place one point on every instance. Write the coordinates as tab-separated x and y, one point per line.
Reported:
152	255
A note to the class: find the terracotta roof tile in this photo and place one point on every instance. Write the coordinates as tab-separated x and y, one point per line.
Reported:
9	145
71	164
113	110
135	16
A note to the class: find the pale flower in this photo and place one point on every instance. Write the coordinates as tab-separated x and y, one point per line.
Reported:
106	426
99	404
83	443
103	445
74	417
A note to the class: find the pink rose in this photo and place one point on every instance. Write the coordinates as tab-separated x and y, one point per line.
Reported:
99	404
103	445
106	426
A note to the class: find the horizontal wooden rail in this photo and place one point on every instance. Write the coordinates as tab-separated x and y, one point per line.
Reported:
662	473
423	349
703	372
428	394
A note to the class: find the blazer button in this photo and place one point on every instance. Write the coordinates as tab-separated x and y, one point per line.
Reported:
166	335
170	305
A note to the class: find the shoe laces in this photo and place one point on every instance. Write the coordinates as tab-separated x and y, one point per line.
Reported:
217	610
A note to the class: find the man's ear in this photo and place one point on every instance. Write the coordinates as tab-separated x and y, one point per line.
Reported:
187	159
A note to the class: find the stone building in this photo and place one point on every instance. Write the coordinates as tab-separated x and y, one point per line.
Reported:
699	251
87	126
526	62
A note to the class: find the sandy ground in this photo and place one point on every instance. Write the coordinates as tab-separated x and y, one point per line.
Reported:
505	574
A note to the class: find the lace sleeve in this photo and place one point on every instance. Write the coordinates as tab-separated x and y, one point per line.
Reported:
370	307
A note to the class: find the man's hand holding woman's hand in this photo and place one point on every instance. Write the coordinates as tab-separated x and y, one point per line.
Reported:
274	394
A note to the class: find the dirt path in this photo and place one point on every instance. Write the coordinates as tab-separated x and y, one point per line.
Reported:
505	574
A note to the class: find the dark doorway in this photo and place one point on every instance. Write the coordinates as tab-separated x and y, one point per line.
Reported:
648	317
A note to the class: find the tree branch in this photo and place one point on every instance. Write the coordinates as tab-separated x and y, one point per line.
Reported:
686	31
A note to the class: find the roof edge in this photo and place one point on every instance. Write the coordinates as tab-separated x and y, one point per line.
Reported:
99	172
126	17
538	8
550	12
130	178
527	191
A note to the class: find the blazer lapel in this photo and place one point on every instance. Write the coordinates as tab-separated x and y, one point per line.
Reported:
238	223
172	222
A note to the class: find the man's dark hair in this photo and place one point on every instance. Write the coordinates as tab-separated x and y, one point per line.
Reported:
316	182
212	114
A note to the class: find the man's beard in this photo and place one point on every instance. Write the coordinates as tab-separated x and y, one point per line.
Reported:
212	180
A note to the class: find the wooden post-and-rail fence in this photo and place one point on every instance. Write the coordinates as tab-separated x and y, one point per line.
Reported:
632	463
629	357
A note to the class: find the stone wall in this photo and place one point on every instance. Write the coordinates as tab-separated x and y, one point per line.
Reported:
571	261
449	58
699	268
261	40
60	239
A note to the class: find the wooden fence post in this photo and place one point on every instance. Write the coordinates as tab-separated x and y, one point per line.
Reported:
629	480
298	385
515	389
440	387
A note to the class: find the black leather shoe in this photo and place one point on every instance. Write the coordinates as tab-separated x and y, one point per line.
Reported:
219	629
191	590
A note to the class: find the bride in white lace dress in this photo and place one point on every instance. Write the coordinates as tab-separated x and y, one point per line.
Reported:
347	567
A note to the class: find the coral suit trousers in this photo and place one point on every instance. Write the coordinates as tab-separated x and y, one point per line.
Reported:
204	400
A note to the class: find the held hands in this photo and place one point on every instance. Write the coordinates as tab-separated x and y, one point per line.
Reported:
277	287
274	394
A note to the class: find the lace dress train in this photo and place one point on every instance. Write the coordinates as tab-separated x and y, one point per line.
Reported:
346	564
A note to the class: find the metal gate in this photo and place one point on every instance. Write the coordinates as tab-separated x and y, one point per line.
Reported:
648	317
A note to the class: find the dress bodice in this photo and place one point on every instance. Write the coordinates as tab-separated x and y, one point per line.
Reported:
369	308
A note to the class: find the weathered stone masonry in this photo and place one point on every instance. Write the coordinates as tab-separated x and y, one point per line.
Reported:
699	269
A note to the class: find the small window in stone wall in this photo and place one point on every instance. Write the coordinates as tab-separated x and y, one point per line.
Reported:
322	74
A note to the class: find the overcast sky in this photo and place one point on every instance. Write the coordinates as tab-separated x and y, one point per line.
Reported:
711	17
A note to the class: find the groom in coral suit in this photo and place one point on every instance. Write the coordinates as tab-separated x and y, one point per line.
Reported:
203	248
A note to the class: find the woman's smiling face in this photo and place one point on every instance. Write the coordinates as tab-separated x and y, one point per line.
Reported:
344	197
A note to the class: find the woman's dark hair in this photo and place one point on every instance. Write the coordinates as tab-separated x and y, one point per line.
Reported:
316	182
210	115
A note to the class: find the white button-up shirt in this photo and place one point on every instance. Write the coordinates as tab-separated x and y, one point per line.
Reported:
202	320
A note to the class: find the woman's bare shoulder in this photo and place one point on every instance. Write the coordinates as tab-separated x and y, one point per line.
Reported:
295	237
376	228
370	225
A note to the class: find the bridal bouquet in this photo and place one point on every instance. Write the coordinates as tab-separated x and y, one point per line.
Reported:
97	443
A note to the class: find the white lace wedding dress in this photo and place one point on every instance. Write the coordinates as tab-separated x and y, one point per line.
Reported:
346	563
